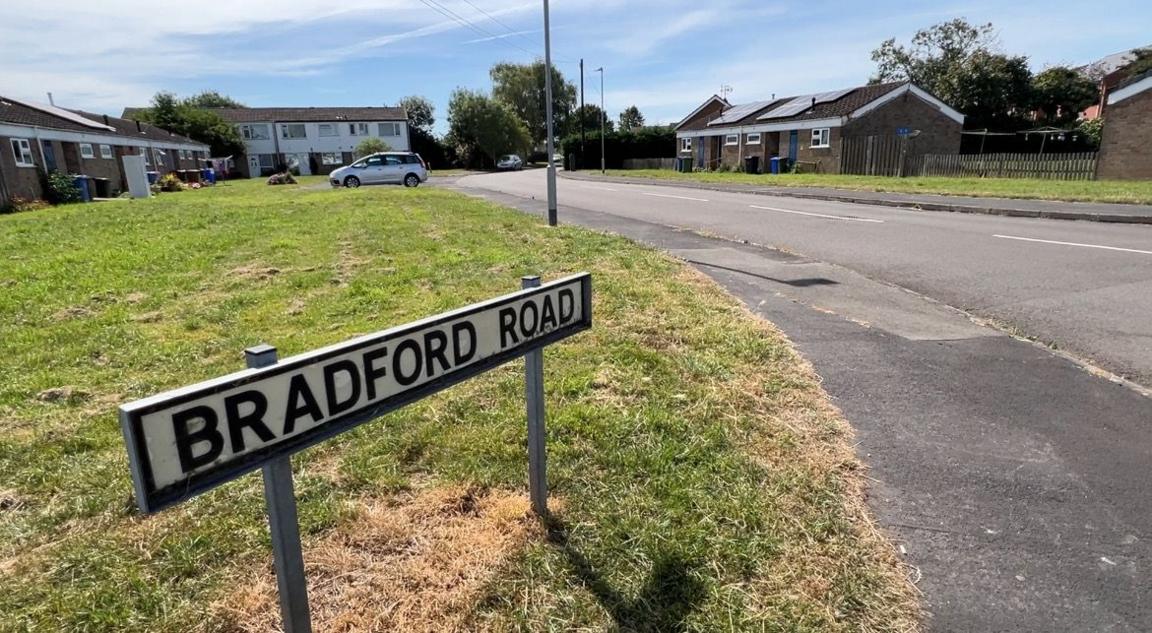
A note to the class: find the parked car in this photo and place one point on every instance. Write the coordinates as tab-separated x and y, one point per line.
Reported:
510	162
397	168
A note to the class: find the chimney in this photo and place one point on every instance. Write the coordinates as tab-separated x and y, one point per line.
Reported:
138	127
813	102
50	101
105	119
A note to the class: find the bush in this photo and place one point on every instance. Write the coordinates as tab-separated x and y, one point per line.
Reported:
60	188
371	145
537	157
169	182
646	142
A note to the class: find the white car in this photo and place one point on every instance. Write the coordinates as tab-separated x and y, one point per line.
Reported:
396	168
510	162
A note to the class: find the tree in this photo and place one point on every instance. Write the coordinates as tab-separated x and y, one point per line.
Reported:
420	112
592	116
200	124
1141	62
371	145
1061	94
521	86
630	119
958	63
482	128
212	99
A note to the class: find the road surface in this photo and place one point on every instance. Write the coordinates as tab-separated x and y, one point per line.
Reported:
1013	478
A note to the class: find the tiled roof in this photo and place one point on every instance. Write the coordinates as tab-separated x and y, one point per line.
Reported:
855	99
254	115
134	129
20	113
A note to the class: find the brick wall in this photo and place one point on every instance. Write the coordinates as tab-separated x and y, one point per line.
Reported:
20	182
1126	143
106	168
824	160
938	133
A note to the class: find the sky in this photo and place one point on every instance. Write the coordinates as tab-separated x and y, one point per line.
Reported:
664	56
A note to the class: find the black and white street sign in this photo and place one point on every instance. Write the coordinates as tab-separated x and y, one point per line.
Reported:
186	441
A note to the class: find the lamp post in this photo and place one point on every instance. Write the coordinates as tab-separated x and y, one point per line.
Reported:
548	114
602	117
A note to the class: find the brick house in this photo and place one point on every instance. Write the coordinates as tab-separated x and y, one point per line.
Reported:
319	140
1126	141
36	139
810	129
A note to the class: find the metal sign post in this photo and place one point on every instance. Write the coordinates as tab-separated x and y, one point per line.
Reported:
534	392
284	524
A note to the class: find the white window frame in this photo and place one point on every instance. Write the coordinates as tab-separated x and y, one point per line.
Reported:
285	129
249	132
357	129
87	151
393	131
752	139
331	158
159	156
686	144
106	151
22	152
333	129
731	139
821	138
147	156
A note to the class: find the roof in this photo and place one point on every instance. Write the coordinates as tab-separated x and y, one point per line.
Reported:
851	100
139	129
255	115
1131	87
707	103
1111	63
32	114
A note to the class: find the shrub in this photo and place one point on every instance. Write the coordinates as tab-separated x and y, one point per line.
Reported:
371	145
19	205
646	142
169	182
60	188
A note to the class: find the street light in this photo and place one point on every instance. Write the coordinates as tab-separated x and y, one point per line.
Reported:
602	117
548	114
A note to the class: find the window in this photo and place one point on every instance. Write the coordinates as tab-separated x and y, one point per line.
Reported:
821	137
23	152
293	130
411	159
147	159
159	157
358	129
265	161
389	129
331	159
374	161
329	129
732	139
685	144
254	132
105	151
753	139
86	151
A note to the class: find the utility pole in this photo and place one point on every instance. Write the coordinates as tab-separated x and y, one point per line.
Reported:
603	117
548	114
581	117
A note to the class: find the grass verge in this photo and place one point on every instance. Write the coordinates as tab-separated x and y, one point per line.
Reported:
1120	191
703	481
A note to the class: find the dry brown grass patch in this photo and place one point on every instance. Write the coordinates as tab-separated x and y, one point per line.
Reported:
413	563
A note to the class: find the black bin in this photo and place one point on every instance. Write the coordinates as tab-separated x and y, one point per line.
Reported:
752	164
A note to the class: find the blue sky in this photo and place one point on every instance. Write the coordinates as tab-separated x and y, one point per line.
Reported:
665	56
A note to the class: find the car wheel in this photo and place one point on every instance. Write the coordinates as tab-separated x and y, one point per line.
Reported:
352	182
411	180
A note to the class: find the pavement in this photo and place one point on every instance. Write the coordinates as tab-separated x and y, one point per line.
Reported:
1011	476
1010	207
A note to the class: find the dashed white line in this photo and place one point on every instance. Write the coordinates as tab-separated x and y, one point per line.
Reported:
600	188
1107	248
819	215
664	195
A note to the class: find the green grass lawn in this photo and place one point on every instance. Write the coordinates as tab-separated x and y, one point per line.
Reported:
1125	191
702	481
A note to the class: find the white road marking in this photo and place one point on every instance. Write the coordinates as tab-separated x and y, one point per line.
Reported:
600	188
819	215
664	195
1107	248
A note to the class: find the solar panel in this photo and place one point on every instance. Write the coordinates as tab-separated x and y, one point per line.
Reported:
802	103
62	113
737	112
827	97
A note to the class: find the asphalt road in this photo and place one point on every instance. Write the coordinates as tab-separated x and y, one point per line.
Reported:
1013	480
1082	287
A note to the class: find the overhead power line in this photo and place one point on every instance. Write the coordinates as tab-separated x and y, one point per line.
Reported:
452	15
500	22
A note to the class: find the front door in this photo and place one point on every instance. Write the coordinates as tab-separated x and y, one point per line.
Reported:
49	155
793	144
253	166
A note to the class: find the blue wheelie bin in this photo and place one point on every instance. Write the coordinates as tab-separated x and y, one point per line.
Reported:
81	183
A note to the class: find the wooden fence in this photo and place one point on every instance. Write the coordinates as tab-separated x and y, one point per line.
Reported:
649	163
874	156
1076	166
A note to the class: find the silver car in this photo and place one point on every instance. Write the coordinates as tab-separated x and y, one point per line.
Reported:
510	162
393	168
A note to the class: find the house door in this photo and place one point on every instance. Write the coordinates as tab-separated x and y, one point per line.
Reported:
701	161
793	145
49	155
253	166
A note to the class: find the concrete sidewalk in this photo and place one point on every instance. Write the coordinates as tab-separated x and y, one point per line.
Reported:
1048	209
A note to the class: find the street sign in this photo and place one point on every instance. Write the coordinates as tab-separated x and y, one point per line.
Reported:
186	441
903	131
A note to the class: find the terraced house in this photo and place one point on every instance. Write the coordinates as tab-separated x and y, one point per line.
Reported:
317	140
37	138
811	130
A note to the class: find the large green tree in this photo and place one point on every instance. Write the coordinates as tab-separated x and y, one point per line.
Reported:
521	86
1141	62
1062	93
420	111
481	128
631	119
959	63
592	116
194	121
212	99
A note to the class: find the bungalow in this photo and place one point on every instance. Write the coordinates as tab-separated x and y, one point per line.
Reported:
36	139
318	140
811	129
1126	141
